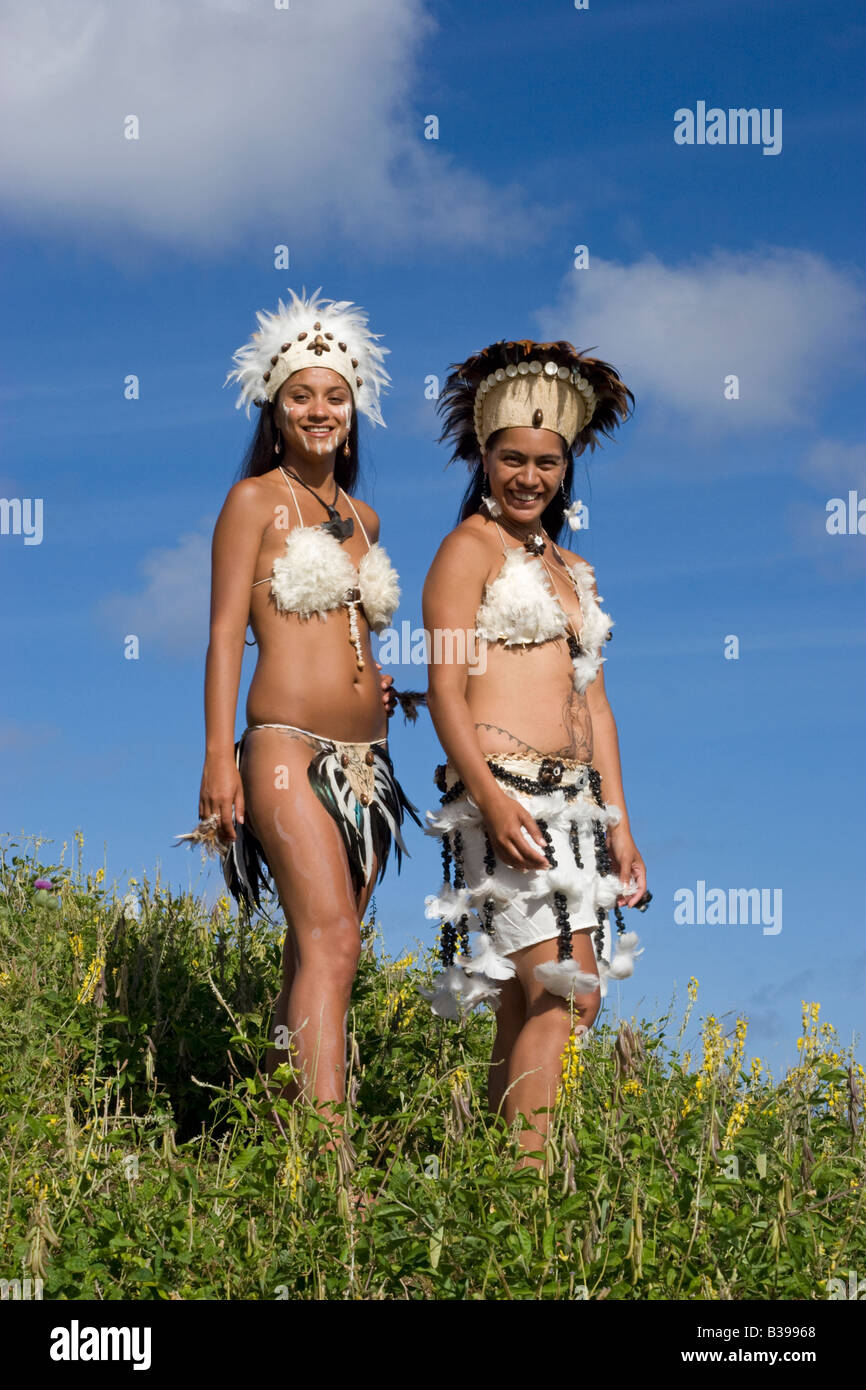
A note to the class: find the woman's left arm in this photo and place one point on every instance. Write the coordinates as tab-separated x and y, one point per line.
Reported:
371	526
605	740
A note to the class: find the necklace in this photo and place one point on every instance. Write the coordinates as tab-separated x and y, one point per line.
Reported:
575	647
573	642
341	528
533	541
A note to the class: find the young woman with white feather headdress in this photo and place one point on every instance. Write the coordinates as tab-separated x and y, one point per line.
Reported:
307	797
535	838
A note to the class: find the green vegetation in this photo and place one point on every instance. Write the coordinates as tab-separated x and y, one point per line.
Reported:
141	1158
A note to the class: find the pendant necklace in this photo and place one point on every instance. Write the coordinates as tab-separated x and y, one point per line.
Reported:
573	642
341	528
534	543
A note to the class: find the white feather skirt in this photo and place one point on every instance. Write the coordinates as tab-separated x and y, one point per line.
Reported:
524	911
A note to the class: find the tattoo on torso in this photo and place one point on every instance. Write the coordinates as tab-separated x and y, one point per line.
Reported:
576	723
577	718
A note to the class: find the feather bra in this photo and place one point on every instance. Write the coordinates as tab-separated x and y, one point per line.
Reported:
518	608
315	575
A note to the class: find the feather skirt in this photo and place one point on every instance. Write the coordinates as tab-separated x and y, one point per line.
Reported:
369	820
367	830
507	909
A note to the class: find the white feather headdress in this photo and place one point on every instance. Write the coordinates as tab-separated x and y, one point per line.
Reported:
312	332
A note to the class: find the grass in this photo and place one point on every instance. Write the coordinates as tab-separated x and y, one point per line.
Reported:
140	1161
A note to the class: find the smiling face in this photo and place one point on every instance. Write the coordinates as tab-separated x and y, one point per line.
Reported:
313	412
525	468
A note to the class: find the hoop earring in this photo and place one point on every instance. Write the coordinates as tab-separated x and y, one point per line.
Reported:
277	444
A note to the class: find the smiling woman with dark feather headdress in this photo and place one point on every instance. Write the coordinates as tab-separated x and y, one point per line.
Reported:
535	838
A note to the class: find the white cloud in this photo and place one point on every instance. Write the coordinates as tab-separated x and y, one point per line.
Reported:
775	318
171	611
257	125
838	558
831	463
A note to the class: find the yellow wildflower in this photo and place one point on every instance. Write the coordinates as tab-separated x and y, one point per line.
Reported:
736	1121
572	1067
714	1046
739	1048
91	978
290	1175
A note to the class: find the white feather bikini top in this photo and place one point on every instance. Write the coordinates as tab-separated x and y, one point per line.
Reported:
519	608
314	574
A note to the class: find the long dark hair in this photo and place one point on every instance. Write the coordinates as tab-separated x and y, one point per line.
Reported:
260	457
553	516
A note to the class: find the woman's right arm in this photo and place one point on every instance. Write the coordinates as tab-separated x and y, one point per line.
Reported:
236	543
452	592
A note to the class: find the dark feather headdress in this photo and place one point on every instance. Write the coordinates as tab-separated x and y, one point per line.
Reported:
582	395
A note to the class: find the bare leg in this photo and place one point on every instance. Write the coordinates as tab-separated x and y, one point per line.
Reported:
510	1018
308	862
535	1060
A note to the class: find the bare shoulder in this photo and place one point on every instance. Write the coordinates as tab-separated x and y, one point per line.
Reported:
575	561
472	543
250	500
368	517
573	556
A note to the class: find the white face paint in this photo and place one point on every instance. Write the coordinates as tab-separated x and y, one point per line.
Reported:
312	427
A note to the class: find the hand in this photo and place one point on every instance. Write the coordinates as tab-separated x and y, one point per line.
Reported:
222	789
627	864
389	699
505	818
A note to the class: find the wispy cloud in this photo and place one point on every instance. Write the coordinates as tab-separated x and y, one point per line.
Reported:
675	332
17	735
171	611
835	464
257	125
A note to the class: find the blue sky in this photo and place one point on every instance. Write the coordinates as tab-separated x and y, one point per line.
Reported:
707	516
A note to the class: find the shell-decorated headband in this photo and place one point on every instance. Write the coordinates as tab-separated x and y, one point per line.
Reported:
543	394
524	383
311	332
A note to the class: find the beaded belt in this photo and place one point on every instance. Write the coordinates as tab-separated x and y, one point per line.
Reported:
551	774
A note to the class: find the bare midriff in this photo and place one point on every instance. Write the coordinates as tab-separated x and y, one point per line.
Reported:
307	673
524	702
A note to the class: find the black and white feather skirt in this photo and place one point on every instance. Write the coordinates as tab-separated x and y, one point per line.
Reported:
355	782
